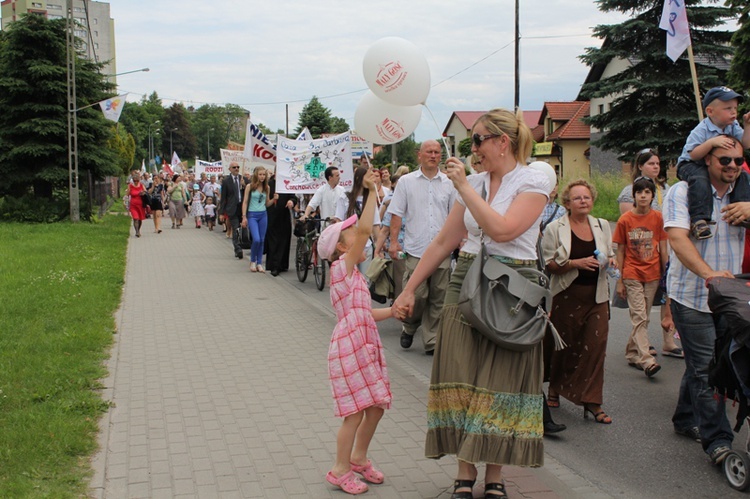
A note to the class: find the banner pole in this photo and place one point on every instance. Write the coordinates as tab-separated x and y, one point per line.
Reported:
696	89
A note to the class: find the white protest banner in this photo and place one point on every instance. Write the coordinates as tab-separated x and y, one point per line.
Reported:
229	156
301	163
112	108
208	168
258	149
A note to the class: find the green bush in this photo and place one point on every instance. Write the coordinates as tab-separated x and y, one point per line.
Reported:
33	209
608	187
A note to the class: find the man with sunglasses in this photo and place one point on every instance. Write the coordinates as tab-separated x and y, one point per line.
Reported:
232	191
713	132
421	203
698	414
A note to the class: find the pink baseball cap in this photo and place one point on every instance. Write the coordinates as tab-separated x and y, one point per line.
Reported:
330	236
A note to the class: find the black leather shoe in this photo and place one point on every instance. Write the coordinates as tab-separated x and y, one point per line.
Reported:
406	339
238	255
429	352
552	427
275	273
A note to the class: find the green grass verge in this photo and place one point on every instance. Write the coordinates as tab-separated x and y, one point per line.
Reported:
61	285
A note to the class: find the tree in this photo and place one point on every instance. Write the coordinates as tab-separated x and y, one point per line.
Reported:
177	134
123	144
316	117
464	147
406	153
739	72
655	105
338	125
33	111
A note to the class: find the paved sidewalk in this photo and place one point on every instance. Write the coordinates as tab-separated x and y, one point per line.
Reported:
219	388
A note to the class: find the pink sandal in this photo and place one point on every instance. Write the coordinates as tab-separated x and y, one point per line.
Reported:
368	472
347	482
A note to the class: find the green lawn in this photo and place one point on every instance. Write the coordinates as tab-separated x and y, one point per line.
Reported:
61	284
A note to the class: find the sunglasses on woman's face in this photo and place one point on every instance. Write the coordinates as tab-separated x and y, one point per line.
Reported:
478	139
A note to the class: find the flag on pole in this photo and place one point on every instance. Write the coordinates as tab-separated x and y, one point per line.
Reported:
305	134
143	166
112	108
176	163
675	22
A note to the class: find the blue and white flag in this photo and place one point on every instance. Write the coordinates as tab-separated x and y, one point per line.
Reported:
675	22
305	134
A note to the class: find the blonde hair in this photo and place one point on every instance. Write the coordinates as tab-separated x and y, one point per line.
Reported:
402	170
565	196
504	122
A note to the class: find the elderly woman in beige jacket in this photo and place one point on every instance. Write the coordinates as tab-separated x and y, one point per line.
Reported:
580	309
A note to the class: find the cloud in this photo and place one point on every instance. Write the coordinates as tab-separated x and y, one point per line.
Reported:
263	55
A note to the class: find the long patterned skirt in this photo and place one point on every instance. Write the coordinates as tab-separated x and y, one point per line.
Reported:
485	402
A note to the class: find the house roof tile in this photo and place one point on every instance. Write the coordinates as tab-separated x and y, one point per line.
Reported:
571	112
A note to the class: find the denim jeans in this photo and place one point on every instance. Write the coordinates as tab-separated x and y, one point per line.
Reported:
257	223
696	405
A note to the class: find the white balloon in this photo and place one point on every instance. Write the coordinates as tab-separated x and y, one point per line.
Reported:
548	170
381	122
397	71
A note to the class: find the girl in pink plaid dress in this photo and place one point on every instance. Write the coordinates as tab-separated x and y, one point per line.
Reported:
356	364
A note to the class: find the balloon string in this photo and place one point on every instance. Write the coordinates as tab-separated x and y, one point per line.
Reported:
445	143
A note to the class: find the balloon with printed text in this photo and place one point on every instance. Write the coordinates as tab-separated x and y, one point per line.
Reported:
384	123
396	70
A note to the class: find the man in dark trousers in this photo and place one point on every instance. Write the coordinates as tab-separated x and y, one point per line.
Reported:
232	190
279	235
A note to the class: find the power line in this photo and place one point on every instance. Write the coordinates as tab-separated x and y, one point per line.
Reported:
332	96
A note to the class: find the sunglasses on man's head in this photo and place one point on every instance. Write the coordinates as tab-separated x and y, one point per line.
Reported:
727	160
478	139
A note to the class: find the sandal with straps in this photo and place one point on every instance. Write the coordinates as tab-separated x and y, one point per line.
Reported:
494	487
369	472
347	482
463	484
553	401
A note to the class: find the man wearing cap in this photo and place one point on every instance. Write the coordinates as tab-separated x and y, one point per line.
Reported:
422	202
232	190
711	135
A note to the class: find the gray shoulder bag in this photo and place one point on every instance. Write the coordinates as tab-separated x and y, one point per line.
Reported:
505	306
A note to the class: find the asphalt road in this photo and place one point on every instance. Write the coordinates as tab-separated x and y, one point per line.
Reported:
638	456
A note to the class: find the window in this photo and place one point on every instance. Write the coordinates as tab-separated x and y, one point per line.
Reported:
96	21
96	46
37	5
601	108
52	6
78	9
96	33
80	33
50	16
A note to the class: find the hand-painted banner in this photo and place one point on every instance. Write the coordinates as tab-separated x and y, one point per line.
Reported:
258	149
209	168
301	163
229	156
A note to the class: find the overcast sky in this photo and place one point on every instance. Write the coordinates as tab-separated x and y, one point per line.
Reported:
263	55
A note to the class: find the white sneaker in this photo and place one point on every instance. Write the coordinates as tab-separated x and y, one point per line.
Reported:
253	267
261	269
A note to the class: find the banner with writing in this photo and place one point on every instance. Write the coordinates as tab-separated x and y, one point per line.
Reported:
301	163
209	168
229	156
258	149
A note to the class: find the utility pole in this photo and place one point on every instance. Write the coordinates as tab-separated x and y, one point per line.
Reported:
517	99
75	212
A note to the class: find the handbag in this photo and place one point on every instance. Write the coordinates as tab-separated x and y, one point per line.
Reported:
503	305
146	198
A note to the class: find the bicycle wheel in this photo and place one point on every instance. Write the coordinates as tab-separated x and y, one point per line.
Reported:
319	269
301	259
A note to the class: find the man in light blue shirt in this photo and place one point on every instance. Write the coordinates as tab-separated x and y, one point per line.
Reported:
698	415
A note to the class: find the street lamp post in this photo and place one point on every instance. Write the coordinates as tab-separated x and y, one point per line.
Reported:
208	144
151	142
171	149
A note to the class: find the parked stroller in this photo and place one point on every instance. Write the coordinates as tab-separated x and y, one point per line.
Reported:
729	371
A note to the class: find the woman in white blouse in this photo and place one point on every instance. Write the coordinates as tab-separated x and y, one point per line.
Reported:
485	402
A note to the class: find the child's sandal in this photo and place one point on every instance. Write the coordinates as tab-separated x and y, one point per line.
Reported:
369	472
347	482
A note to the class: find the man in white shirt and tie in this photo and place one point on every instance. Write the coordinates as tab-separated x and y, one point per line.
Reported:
422	202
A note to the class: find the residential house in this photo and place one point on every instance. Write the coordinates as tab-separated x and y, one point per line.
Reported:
564	138
461	122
